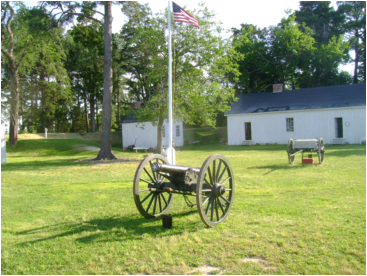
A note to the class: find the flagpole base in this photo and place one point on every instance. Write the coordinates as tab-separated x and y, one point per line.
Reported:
171	155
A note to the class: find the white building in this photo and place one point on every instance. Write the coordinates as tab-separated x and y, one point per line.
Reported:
3	141
335	113
145	134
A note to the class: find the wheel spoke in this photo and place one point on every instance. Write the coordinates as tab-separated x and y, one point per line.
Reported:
146	197
226	200
228	178
150	203
207	207
212	210
155	203
206	200
140	191
220	164
207	182
155	177
206	190
216	209
160	203
214	176
220	205
142	179
210	176
149	174
164	175
221	175
164	199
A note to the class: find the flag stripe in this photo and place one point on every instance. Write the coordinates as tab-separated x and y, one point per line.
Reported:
180	15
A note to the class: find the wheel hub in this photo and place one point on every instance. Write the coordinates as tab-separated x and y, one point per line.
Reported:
218	190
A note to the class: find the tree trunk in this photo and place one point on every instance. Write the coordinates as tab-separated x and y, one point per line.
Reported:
160	134
106	151
356	60
92	113
14	109
86	114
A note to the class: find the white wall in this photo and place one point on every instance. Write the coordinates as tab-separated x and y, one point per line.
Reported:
3	143
146	134
270	127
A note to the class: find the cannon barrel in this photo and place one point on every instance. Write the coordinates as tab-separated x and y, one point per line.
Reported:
159	167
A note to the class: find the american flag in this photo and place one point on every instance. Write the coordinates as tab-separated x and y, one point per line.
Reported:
180	15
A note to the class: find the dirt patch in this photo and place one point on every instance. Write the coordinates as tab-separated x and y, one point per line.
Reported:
264	264
206	270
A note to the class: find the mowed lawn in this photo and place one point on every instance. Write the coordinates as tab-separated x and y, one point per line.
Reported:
61	213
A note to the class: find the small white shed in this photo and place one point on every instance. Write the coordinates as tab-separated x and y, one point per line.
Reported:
335	113
3	141
145	133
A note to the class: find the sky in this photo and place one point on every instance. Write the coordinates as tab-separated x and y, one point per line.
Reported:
232	13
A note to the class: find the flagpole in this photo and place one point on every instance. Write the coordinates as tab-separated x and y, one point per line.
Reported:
170	149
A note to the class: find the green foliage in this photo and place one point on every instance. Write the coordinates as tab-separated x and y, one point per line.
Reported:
65	214
355	28
201	60
299	52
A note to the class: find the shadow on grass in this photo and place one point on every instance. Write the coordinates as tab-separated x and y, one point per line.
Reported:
273	168
44	164
110	229
216	147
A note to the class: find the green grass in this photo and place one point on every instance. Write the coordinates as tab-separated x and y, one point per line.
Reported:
64	216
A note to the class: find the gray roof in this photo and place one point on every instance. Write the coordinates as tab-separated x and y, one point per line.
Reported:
301	99
129	118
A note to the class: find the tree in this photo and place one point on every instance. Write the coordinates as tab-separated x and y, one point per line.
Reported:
329	49
87	10
84	64
288	53
201	60
320	17
20	35
355	27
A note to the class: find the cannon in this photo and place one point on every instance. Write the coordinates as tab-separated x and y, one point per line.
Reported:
156	182
296	146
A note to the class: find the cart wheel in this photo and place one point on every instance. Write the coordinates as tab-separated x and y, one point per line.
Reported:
215	190
321	151
150	200
291	151
291	158
290	145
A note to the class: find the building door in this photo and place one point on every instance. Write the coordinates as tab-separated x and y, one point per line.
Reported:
339	127
248	135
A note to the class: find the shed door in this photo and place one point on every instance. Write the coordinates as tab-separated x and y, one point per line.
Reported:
248	135
339	127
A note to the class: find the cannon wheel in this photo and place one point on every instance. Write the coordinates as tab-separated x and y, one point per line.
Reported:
215	190
321	151
291	151
149	199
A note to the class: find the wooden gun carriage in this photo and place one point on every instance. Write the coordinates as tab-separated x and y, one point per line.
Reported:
156	182
296	146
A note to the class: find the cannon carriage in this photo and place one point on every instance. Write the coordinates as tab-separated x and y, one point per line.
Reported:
296	146
156	182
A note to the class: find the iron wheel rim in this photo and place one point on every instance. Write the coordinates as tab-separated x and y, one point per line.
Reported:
149	199
215	190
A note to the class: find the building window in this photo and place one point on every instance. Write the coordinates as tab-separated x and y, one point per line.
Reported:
290	124
248	135
163	131
338	127
177	131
